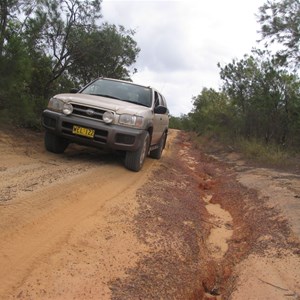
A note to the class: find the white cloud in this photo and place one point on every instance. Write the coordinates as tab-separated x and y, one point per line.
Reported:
182	41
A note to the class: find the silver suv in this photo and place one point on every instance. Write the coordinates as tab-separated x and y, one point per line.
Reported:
109	114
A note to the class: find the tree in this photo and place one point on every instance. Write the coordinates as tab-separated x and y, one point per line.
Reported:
11	14
15	65
265	97
108	51
211	112
7	11
280	22
184	122
51	27
47	46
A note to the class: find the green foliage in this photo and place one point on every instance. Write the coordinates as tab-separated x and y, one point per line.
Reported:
15	72
259	102
183	122
50	31
8	12
264	96
108	52
175	122
211	112
49	46
281	24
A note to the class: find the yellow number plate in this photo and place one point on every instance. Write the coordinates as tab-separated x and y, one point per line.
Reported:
83	131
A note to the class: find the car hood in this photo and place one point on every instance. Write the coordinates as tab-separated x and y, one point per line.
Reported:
118	106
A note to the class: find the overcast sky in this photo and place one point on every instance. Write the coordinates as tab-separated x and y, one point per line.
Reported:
182	41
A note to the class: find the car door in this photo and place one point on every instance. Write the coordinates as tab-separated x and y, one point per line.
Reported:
159	120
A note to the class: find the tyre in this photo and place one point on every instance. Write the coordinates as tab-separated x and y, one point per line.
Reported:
54	143
134	160
156	153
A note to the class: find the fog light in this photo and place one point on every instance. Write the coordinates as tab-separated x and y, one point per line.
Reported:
108	117
67	109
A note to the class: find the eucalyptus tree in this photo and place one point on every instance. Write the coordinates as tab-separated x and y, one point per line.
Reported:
265	96
47	45
280	23
51	28
15	66
13	15
8	9
211	112
108	51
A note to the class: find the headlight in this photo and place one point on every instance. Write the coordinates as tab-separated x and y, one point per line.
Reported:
131	120
56	104
108	117
60	106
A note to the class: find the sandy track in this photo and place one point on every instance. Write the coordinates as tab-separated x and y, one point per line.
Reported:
190	226
49	200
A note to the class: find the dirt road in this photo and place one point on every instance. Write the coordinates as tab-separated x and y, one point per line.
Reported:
190	226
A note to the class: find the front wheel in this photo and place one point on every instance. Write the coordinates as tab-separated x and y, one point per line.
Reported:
54	143
134	160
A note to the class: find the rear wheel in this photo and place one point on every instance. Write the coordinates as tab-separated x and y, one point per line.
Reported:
156	153
54	143
134	160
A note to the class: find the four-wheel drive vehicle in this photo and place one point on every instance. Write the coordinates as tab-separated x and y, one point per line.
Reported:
109	114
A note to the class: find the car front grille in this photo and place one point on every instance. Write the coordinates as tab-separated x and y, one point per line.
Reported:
88	112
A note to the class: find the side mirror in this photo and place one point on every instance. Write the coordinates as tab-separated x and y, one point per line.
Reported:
161	110
74	90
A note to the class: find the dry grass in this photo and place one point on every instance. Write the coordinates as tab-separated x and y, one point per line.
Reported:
257	152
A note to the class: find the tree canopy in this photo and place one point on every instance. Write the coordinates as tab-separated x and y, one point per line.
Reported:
280	23
265	98
48	46
260	94
107	52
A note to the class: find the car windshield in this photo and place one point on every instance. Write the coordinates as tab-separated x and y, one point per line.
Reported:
120	90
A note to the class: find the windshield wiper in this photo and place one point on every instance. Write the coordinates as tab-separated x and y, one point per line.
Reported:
134	102
107	96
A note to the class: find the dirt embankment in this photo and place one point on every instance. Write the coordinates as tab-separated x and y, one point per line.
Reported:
190	226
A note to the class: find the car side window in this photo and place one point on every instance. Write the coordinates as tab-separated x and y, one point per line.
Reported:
159	100
156	99
163	101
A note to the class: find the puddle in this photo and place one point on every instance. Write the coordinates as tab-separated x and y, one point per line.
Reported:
221	232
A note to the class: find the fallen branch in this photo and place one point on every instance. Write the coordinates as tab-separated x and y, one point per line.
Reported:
276	286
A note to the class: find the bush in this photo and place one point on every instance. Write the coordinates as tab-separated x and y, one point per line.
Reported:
271	154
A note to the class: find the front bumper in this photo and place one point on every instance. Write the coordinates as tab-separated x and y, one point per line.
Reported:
107	136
